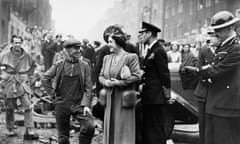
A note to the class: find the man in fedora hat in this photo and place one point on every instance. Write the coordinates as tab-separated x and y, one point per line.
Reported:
156	85
223	75
72	93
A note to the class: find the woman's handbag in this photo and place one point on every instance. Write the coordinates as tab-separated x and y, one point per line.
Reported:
102	96
125	72
129	98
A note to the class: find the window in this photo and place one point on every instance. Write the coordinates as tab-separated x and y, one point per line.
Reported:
146	11
208	21
199	24
173	10
180	6
12	30
191	7
18	32
238	13
171	31
167	12
208	3
179	28
199	4
166	31
154	13
3	23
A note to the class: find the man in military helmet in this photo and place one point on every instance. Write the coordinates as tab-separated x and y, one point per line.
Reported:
223	75
72	92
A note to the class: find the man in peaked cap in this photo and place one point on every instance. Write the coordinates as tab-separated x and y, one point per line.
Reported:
71	92
156	84
149	27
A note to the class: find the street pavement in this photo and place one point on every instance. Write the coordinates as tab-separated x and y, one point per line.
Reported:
45	135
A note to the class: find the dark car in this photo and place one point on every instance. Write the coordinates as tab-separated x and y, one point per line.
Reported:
184	111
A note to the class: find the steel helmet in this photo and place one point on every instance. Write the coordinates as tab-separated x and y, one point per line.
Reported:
223	19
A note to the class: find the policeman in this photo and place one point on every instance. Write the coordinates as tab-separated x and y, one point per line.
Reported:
72	93
223	96
156	81
205	57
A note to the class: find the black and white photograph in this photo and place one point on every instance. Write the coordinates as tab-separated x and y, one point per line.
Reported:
119	71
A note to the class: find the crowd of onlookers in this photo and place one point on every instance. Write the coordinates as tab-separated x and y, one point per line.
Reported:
49	50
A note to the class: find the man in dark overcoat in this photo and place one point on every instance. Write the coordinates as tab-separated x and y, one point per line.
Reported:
156	85
205	57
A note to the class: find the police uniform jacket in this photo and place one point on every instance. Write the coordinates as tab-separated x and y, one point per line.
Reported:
156	75
205	57
223	97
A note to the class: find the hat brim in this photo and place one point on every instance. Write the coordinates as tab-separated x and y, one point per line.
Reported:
142	30
72	45
231	22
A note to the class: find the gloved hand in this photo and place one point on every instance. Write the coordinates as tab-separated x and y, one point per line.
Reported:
86	111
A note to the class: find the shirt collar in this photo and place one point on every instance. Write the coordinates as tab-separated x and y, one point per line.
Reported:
228	39
150	46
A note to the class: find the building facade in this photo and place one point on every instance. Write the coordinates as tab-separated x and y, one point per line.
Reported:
187	20
4	19
17	15
130	14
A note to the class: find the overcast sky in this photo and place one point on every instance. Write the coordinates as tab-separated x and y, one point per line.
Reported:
77	17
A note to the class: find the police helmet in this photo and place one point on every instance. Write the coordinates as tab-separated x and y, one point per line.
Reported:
223	19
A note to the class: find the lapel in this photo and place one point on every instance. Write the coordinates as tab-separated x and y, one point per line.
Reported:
151	50
118	68
81	71
225	46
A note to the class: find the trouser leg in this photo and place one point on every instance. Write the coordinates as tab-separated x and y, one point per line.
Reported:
10	119
10	106
63	124
209	132
86	129
139	123
153	126
28	118
226	130
201	119
28	115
